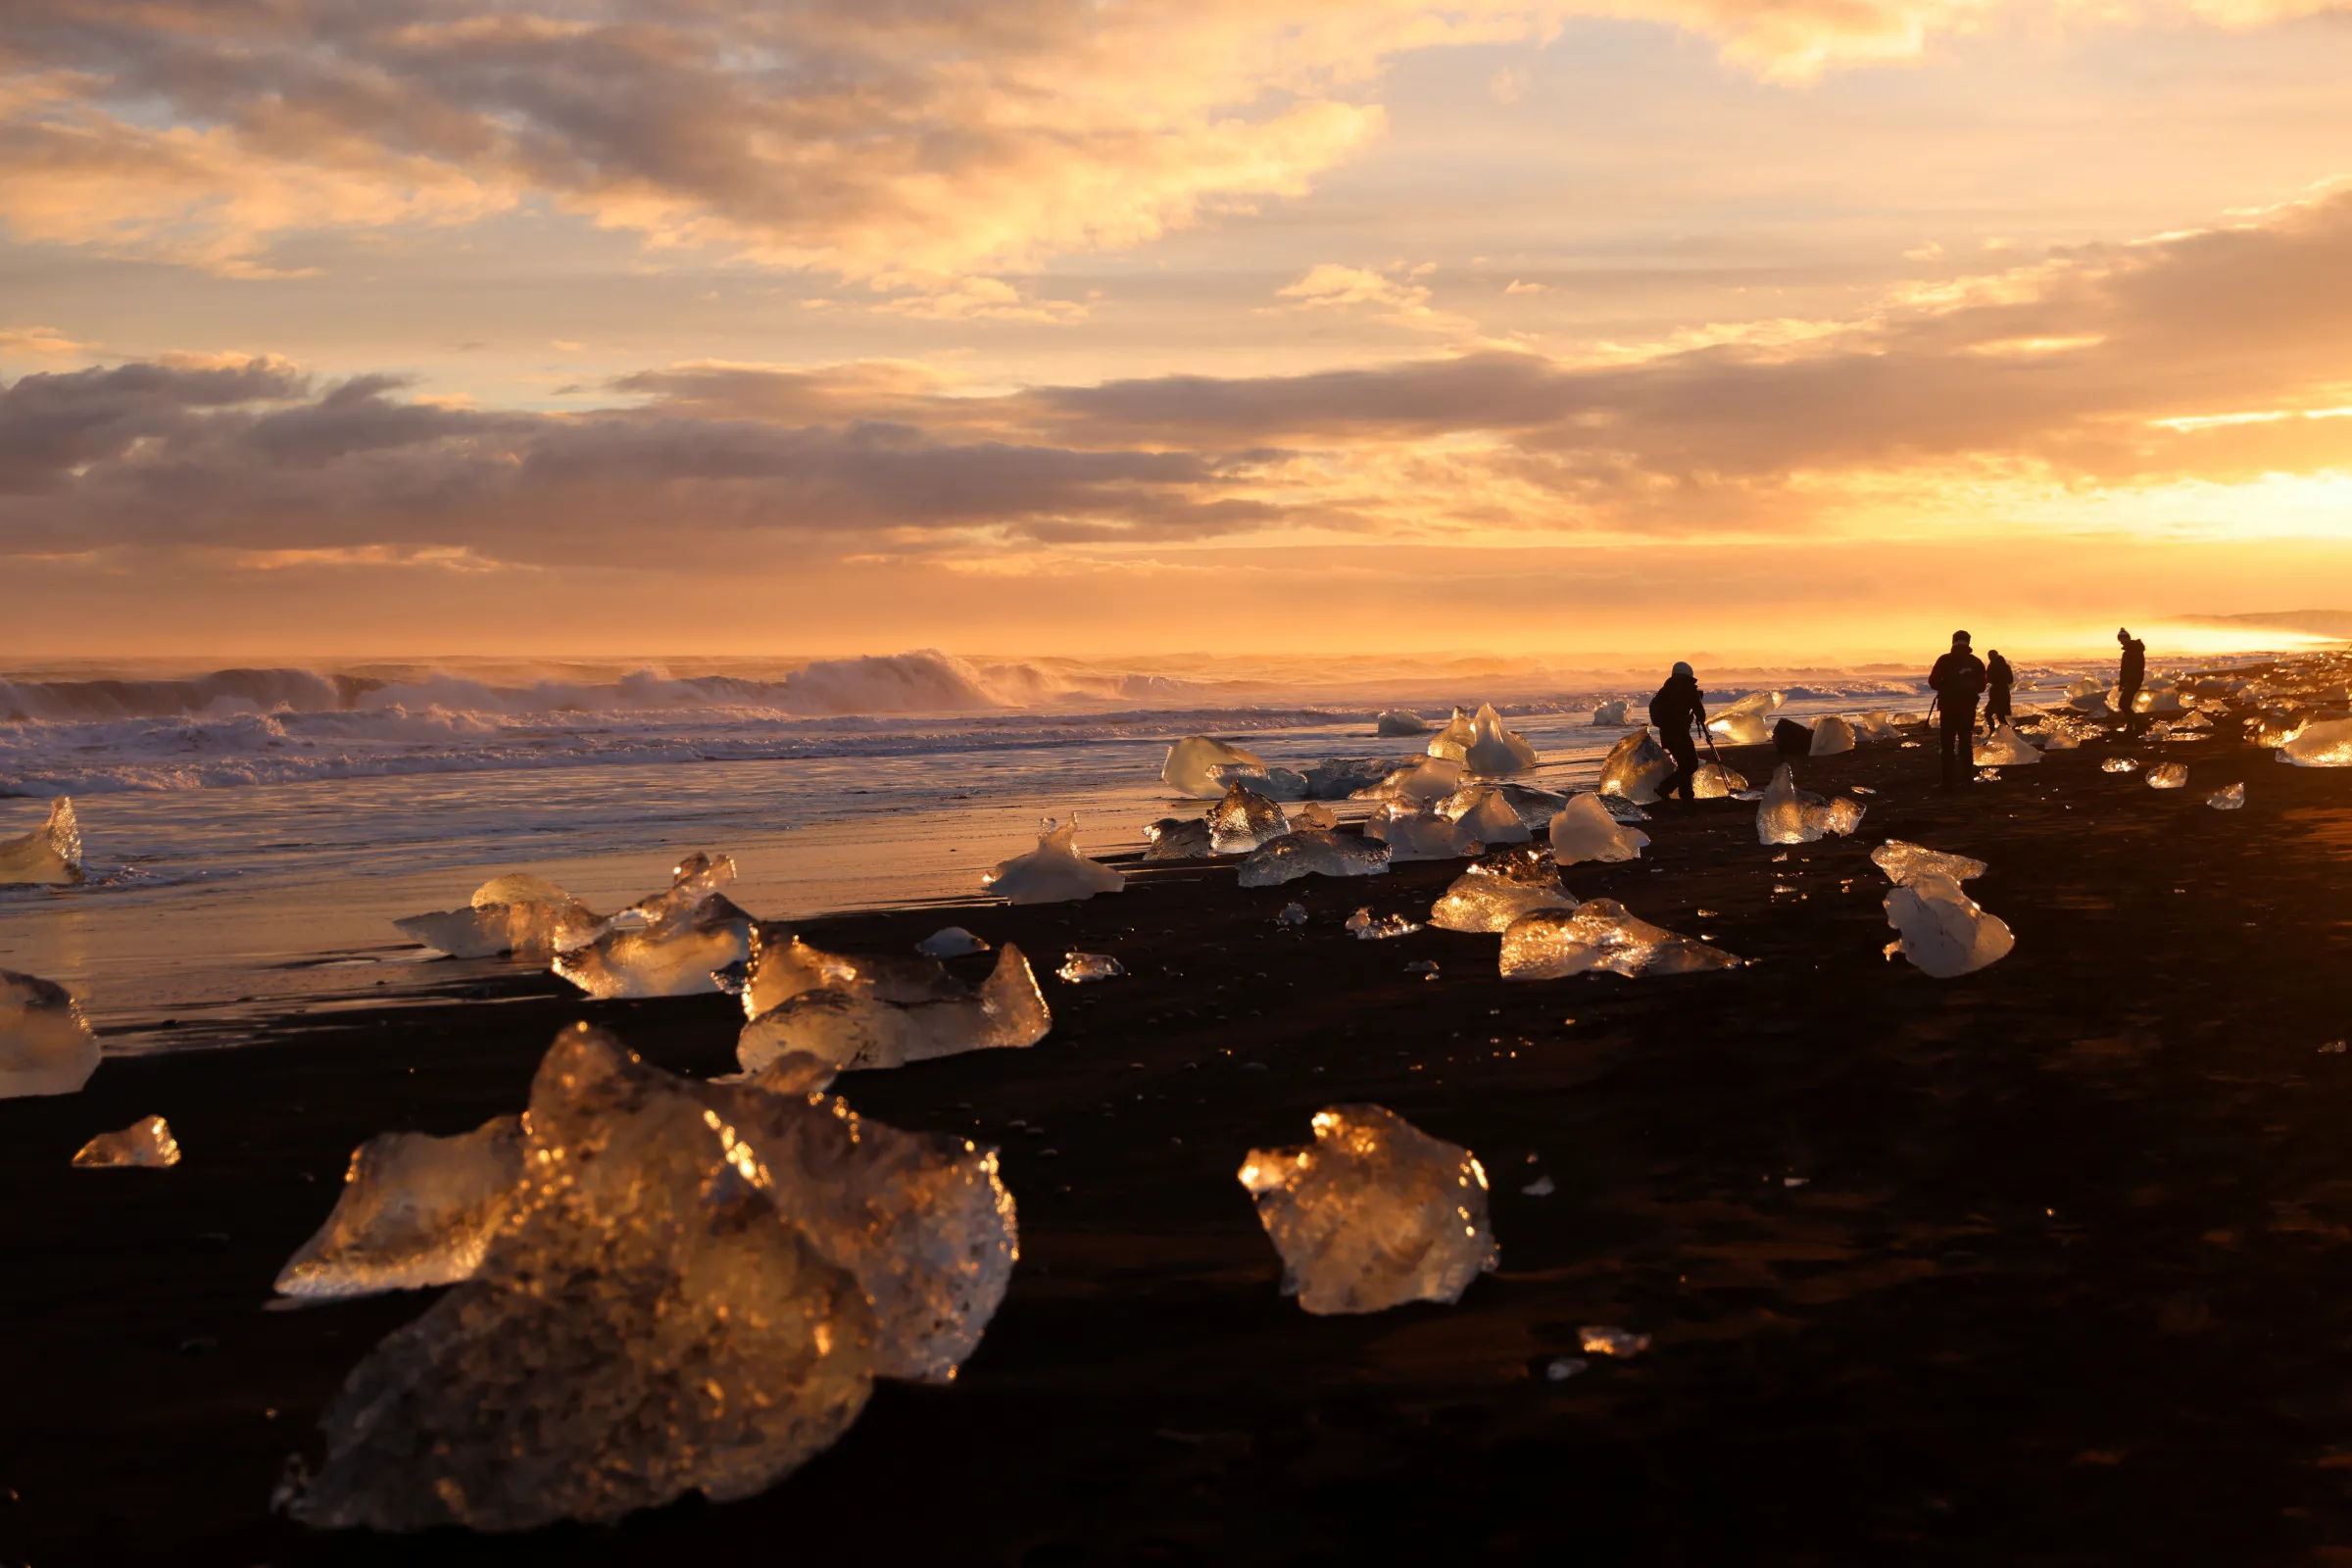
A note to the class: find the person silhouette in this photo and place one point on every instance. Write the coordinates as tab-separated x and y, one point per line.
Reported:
1959	679
1998	679
1679	705
2129	675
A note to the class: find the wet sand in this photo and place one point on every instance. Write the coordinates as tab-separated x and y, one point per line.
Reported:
2066	1279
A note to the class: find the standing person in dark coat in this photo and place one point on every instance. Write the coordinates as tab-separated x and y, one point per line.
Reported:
1959	680
2129	677
1998	679
1677	706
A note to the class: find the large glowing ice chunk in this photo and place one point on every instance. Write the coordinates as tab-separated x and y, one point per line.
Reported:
1485	815
1420	835
1600	935
1495	752
1907	862
670	945
1498	890
1584	830
1397	721
1423	783
50	855
1373	1214
45	1046
1944	932
1612	714
778	966
519	913
1243	820
2322	743
1192	764
1747	721
1713	781
1635	766
848	1028
415	1210
1314	852
1782	816
2005	747
1452	743
2158	697
146	1142
1054	872
1831	735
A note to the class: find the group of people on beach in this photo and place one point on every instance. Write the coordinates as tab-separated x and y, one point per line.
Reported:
1960	679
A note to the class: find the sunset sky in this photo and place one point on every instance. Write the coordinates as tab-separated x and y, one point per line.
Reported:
382	327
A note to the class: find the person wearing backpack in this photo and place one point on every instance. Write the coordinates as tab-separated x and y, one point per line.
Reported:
2128	676
1678	707
1959	680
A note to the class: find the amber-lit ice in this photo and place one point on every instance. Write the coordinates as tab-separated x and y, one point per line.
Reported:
1314	852
947	942
1600	935
1243	820
1177	838
1498	890
1365	928
1584	830
1944	931
1831	735
1747	721
1397	721
1192	764
2168	775
518	913
45	1046
1875	727
1789	815
2006	748
1484	815
1634	767
50	855
2232	798
1495	752
851	1024
147	1142
1084	968
1054	872
1612	714
1426	834
1904	863
415	1210
2322	743
1713	781
1373	1214
670	945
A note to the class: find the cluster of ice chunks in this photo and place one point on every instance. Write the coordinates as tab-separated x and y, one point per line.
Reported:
2168	775
1192	764
1397	721
1314	852
1177	838
415	1210
2005	747
1422	783
1789	815
1486	814
2322	743
1944	932
146	1142
1831	736
1635	768
1054	872
1713	781
519	913
1500	888
1426	834
2232	799
1373	1214
50	855
670	944
1243	820
1584	830
1747	721
1597	935
1365	928
46	1048
691	1289
1612	713
864	1012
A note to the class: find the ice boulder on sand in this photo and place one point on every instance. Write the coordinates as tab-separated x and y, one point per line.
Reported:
2168	775
1312	815
518	913
949	942
1373	1214
778	966
50	855
1498	890
1831	735
1192	764
1600	935
1336	778
1243	820
1314	852
45	1046
1875	727
1712	781
1495	752
1789	815
1452	743
1612	714
1906	863
1635	766
2006	748
146	1144
1747	721
1584	830
1423	783
1397	721
1420	835
1944	932
2322	743
2230	799
1177	838
670	944
849	1026
1054	872
1486	815
415	1210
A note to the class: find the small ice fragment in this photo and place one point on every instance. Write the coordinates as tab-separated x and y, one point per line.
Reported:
1831	735
1634	767
1054	872
1585	831
1177	838
1497	889
2119	765
1082	968
415	1210
1243	820
1540	1186
1599	1341
1495	752
1484	814
2230	799
46	1048
1191	768
2322	743
2168	775
1313	852
1292	914
1715	782
1364	928
1795	1181
2006	748
1904	863
2276	729
1782	816
1862	789
1944	932
2333	1047
1397	721
1425	834
1549	945
949	942
1313	815
1373	1215
148	1143
1612	713
1563	1368
50	855
1425	969
850	1029
1989	775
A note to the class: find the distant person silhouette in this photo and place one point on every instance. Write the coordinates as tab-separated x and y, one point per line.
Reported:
1959	680
1677	706
2129	677
1998	679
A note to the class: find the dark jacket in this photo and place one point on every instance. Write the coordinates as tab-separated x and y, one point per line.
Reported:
1959	680
1677	706
2136	664
1998	675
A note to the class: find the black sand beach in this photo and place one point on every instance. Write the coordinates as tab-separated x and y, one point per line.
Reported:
2048	1263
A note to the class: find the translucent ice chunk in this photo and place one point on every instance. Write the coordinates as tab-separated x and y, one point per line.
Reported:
45	1047
1783	815
949	942
1536	807
1177	838
1831	736
2232	799
1715	782
1495	752
1944	931
1452	743
415	1210
1397	721
670	944
1612	713
1747	721
1600	935
519	913
2092	703
1336	778
2006	748
2059	738
1243	820
2322	743
1374	1213
1498	890
778	966
1192	763
1837	818
1423	784
1054	872
2168	775
1600	1339
1585	831
1484	815
2119	765
1422	835
850	1028
2158	697
1314	852
2085	686
1364	928
1083	968
1293	914
1875	727
1312	815
1634	767
2279	730
1907	862
1274	783
50	855
147	1142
